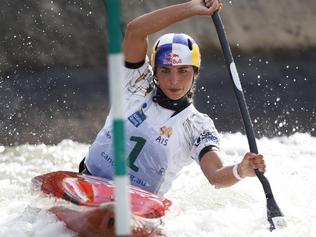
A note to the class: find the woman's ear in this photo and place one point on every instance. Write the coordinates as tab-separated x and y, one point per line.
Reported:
196	72
155	79
195	75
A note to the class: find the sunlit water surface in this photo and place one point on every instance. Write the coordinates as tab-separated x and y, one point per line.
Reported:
199	209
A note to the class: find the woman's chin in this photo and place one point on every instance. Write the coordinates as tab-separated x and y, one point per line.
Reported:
174	96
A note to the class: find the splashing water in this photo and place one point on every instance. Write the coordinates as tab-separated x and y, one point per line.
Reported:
198	210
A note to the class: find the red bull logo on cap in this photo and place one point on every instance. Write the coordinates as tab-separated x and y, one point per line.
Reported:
172	59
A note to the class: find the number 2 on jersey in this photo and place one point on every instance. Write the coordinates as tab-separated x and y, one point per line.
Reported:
140	142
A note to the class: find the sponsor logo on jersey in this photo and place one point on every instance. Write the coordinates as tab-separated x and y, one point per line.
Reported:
165	134
138	117
206	137
162	140
136	180
108	159
164	131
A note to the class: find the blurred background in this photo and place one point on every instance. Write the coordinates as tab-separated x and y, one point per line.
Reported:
53	67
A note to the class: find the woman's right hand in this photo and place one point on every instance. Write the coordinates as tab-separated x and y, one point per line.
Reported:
205	7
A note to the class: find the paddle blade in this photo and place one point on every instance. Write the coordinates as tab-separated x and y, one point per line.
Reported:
275	215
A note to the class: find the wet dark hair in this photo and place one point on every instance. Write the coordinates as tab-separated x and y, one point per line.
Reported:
191	92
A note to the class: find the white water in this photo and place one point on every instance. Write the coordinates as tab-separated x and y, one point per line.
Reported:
199	209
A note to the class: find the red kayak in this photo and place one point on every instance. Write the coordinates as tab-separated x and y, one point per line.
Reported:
92	214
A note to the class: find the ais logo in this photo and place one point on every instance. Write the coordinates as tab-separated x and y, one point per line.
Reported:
164	131
165	134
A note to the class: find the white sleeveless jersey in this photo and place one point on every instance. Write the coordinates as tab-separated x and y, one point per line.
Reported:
159	145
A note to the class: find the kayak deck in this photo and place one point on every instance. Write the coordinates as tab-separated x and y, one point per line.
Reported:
86	190
94	199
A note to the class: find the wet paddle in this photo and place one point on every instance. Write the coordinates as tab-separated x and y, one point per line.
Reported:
275	216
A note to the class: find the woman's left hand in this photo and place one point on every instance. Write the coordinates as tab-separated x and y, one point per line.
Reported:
250	162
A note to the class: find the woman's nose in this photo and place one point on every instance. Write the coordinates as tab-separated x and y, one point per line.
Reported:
174	78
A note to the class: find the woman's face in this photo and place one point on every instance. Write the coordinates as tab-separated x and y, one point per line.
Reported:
175	81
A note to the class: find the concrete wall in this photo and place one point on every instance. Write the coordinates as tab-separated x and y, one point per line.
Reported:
73	33
53	66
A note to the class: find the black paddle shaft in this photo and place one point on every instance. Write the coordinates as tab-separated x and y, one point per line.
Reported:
272	208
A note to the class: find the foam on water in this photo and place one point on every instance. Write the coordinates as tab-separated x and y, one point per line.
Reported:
199	209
